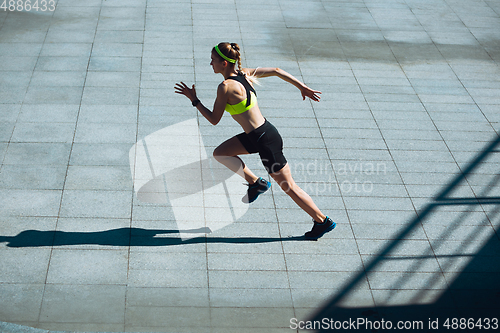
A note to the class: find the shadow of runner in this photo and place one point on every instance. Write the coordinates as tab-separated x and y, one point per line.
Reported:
125	237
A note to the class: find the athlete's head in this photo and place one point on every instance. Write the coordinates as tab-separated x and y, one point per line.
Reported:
229	52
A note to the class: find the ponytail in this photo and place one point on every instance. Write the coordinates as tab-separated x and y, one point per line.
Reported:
231	52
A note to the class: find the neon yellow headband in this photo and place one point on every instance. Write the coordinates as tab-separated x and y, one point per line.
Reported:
223	56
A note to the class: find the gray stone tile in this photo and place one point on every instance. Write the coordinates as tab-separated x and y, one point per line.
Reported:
108	114
250	298
403	135
25	202
315	298
53	95
428	264
58	34
83	304
20	49
44	132
58	79
110	36
171	278
13	94
3	149
381	217
423	156
445	167
49	113
400	115
246	237
251	317
18	79
110	96
430	191
21	302
91	267
98	178
247	329
246	262
81	327
401	248
112	79
172	317
32	177
16	63
117	50
248	279
113	23
167	297
102	154
24	265
163	261
7	129
96	203
392	297
322	262
386	231
115	64
62	63
332	281
376	203
406	280
39	154
95	133
66	50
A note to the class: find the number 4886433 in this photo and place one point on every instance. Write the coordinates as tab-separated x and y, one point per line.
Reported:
28	5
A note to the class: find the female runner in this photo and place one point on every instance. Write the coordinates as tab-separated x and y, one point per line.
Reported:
237	96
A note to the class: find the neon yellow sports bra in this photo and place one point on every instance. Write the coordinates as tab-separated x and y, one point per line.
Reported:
245	104
242	106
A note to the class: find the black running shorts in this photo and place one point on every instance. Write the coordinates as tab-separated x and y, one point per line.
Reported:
266	141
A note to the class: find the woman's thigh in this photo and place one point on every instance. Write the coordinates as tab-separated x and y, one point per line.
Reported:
230	147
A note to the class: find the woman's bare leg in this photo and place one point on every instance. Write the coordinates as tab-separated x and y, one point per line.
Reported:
227	154
301	198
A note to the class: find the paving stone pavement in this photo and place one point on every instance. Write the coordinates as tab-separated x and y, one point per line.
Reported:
402	151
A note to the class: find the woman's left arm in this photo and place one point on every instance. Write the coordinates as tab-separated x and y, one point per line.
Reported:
220	103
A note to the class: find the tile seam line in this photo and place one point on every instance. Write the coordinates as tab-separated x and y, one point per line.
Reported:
283	253
205	252
131	219
69	159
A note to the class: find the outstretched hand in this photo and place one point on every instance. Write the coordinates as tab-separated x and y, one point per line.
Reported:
183	89
312	94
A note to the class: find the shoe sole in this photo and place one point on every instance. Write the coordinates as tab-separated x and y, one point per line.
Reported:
330	228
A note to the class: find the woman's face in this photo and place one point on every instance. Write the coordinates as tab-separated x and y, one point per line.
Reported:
216	63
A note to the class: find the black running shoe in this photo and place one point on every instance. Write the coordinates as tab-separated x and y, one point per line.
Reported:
319	229
256	189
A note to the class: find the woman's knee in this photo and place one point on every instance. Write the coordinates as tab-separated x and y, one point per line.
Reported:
217	152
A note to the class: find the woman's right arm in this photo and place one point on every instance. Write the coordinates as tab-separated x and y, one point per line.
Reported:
273	71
